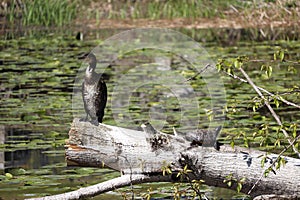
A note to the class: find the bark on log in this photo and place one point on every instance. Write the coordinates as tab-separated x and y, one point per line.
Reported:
133	153
130	151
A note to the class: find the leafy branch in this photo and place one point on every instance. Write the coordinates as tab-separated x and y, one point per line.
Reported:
277	163
239	182
276	117
228	70
238	63
194	184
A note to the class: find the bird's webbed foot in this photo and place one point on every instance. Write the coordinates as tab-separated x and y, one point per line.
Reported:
95	122
84	119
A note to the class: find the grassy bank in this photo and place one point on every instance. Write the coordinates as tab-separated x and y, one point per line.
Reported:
170	9
39	12
59	13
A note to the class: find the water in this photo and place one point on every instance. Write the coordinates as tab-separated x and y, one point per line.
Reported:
36	85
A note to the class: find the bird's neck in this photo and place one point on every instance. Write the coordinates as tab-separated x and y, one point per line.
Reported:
90	74
91	68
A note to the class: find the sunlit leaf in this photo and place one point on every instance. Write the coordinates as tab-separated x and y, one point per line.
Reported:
239	187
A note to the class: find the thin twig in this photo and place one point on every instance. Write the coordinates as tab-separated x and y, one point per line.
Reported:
275	61
273	163
288	93
202	70
276	117
264	90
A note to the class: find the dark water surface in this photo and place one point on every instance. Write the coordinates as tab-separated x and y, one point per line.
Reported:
36	86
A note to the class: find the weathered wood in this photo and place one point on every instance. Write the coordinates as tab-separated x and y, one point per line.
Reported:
106	186
118	148
130	152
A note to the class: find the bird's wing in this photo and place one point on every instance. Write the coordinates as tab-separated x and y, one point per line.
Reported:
100	101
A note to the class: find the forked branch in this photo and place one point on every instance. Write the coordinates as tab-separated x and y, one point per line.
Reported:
276	117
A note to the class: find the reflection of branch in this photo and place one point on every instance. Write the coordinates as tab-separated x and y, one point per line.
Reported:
274	162
264	90
202	70
270	109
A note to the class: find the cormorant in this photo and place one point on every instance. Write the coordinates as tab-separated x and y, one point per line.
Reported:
94	92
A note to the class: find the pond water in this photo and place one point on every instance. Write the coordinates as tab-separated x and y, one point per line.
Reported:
36	87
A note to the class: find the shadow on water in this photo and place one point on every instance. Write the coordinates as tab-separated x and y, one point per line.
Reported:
25	149
27	157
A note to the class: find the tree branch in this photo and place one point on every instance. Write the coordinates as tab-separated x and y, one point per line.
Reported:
264	90
276	117
133	154
201	71
273	163
91	191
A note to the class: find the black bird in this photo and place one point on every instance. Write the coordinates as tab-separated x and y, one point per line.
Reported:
94	92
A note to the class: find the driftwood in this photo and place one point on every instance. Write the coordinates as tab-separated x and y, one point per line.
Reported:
139	160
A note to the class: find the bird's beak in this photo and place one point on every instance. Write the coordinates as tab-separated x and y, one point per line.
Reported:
83	57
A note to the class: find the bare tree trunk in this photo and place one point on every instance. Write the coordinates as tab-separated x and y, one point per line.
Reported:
135	155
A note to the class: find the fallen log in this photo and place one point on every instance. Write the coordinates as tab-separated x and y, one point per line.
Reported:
139	160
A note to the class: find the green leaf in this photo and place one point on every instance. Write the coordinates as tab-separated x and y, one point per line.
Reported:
229	183
185	168
246	142
238	64
254	108
276	102
293	127
9	175
292	69
266	173
232	143
229	70
263	161
281	55
169	171
278	164
277	143
239	187
243	180
282	161
269	71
